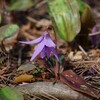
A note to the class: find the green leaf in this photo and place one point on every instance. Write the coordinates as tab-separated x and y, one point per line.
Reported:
81	5
8	30
8	93
83	87
37	71
0	18
66	18
61	58
21	4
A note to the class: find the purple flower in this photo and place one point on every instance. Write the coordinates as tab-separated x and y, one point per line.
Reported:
95	36
45	46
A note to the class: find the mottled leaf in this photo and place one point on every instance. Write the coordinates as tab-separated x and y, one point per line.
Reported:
66	18
20	5
8	30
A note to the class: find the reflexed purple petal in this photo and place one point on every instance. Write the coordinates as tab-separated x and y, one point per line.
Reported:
47	50
94	29
49	42
94	40
33	41
54	52
38	49
94	36
42	54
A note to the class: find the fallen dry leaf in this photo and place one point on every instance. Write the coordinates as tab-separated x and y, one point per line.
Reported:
77	83
74	57
26	67
95	52
23	78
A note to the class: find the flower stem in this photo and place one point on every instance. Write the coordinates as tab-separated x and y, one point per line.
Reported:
55	35
56	67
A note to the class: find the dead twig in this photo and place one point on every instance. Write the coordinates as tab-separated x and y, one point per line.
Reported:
58	90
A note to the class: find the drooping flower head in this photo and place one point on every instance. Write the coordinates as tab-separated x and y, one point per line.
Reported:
45	46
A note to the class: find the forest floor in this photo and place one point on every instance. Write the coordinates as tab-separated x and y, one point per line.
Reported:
16	68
